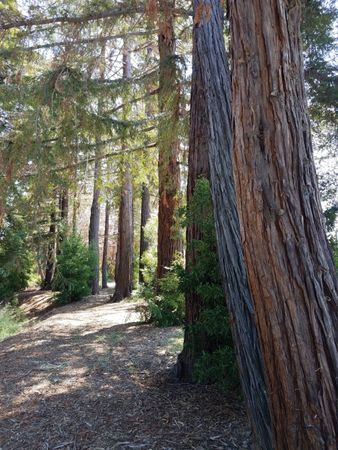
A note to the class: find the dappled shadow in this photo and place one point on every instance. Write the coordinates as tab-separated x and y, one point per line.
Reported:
85	379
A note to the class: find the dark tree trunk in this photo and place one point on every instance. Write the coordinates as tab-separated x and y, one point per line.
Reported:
124	256
145	215
63	211
94	228
168	146
215	79
104	268
198	164
51	253
290	268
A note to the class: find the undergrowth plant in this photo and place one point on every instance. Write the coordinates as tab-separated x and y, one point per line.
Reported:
76	263
12	320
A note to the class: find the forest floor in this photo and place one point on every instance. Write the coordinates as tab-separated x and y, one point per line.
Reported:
90	376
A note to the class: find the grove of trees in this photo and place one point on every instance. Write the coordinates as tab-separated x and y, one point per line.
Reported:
171	147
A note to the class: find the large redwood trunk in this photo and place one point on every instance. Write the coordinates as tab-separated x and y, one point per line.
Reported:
290	269
215	120
168	146
198	166
145	215
51	253
94	227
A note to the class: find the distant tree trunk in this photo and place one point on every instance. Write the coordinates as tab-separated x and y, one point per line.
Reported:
63	210
94	227
51	253
145	215
214	95
290	268
198	166
104	268
124	255
168	146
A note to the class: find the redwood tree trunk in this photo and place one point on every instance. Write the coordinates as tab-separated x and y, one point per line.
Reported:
104	268
124	256
94	228
290	268
198	166
168	146
145	215
215	79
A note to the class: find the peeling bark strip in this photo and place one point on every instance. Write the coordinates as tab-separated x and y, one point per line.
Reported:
168	146
215	79
290	268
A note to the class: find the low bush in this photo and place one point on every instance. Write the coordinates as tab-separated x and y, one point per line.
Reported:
15	258
75	265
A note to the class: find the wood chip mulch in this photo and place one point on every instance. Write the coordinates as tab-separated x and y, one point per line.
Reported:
90	376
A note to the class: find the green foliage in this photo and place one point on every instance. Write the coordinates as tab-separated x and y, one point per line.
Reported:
11	321
213	350
334	247
166	308
75	267
15	258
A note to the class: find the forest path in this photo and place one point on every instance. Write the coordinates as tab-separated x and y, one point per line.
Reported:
89	376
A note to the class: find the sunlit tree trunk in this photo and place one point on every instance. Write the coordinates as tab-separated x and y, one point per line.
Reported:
168	145
51	253
290	269
212	114
145	215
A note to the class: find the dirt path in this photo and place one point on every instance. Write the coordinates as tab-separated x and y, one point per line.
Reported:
88	376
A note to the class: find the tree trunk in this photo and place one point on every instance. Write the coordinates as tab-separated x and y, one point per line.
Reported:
168	146
104	268
94	227
198	166
215	79
124	255
290	268
145	215
51	253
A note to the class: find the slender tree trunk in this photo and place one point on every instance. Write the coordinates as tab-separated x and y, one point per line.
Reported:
290	269
94	227
104	268
145	215
124	255
210	54
198	166
51	253
168	167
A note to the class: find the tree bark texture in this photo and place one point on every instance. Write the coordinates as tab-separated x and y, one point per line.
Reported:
290	268
94	227
215	79
198	166
51	253
104	268
168	145
125	253
124	256
145	215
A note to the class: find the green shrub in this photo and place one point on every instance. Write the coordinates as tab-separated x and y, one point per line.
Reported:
11	320
212	344
15	258
75	266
